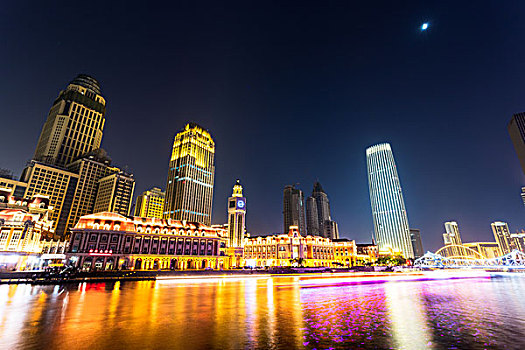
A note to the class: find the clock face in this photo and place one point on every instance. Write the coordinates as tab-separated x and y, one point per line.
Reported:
240	204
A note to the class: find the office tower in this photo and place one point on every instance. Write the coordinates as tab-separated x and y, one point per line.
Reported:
331	229
312	219
57	184
90	169
417	245
293	209
502	236
150	203
452	238
452	235
236	217
189	190
74	124
115	192
321	206
386	199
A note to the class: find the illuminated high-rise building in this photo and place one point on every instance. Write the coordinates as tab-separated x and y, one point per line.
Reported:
452	235
58	185
115	192
293	209
452	238
74	124
386	199
236	217
150	203
189	190
503	237
90	169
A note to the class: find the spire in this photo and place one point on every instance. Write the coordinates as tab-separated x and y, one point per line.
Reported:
318	187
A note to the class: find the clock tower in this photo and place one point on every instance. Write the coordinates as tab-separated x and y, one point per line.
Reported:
236	217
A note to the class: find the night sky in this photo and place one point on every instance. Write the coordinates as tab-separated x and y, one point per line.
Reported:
291	93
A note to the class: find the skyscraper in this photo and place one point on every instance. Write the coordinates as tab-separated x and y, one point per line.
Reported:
293	209
452	238
312	218
74	124
90	169
236	217
417	245
57	184
503	237
115	192
189	190
150	203
318	204
386	199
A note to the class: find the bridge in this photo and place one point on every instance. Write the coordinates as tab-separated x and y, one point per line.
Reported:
510	261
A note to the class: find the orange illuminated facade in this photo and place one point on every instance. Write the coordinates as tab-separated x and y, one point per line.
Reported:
292	249
109	241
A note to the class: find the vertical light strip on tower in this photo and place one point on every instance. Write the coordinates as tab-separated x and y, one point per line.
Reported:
386	199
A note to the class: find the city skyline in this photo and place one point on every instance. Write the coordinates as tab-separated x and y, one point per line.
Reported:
443	168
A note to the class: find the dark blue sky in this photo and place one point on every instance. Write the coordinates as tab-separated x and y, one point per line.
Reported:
291	92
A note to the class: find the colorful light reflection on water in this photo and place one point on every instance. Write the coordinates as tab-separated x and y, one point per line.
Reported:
265	313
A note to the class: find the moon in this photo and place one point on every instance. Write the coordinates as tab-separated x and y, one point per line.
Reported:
424	26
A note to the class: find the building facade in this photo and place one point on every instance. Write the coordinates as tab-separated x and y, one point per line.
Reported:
56	183
74	124
503	237
24	227
189	190
115	193
312	219
417	244
386	199
331	229
150	203
109	241
90	169
289	249
293	209
452	238
488	250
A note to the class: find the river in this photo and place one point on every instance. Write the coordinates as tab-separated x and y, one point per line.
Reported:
265	313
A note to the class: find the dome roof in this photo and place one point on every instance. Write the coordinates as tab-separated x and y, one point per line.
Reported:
88	82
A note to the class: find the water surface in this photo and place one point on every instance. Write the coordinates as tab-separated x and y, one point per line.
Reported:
265	313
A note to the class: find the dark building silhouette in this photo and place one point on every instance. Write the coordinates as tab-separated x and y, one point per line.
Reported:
293	209
516	129
318	214
417	245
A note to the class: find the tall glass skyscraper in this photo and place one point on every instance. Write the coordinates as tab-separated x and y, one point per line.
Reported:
386	198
